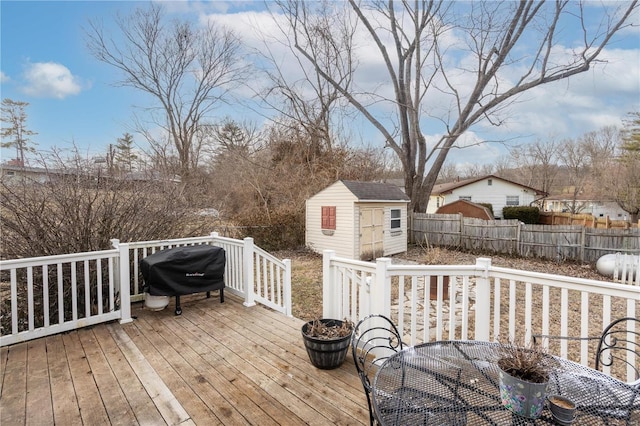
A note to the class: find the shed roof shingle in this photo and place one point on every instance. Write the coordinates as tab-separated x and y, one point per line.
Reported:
375	191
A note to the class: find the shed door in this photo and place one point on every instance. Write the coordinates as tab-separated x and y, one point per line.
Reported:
371	233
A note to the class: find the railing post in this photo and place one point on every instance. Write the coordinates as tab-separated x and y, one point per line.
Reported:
124	283
330	290
214	236
247	276
483	299
287	287
380	296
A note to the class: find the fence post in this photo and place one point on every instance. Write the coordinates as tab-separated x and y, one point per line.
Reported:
330	290
287	287
247	276
583	243
380	295
124	282
483	300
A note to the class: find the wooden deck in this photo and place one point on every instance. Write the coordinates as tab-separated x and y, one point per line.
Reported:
215	364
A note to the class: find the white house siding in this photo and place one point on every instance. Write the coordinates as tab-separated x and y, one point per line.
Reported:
481	192
342	240
595	208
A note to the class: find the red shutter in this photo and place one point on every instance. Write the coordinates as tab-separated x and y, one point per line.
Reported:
328	217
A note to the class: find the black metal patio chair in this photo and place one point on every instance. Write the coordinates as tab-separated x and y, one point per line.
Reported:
614	345
375	338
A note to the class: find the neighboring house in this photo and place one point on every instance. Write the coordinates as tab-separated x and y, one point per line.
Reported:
359	220
11	172
467	209
489	189
585	204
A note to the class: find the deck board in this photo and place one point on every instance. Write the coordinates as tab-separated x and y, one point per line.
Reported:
92	408
65	404
223	364
14	390
39	391
141	405
113	398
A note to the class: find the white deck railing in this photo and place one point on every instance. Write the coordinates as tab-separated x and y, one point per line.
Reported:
54	294
250	272
483	302
99	286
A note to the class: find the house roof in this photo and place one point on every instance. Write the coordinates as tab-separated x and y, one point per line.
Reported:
375	191
447	188
467	208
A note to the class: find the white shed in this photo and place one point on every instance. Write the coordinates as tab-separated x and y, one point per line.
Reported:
359	220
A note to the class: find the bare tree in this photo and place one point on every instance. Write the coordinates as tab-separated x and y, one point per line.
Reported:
16	133
187	70
537	164
431	50
625	180
575	159
308	99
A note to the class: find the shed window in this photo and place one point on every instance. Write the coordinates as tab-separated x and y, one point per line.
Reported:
489	182
395	218
513	200
328	217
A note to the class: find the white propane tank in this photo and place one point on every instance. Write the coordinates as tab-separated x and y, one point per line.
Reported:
155	303
627	264
606	264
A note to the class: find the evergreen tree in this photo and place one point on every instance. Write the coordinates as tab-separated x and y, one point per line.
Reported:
16	134
125	155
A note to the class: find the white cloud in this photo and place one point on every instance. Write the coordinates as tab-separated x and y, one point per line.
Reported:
50	80
3	77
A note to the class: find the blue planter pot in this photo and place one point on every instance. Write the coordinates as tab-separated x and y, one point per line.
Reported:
523	398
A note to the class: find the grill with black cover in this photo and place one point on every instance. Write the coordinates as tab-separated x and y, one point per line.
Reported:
184	270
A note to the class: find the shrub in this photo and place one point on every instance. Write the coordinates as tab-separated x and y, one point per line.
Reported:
488	206
72	211
280	230
524	214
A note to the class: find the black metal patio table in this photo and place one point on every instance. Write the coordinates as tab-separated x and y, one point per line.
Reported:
456	383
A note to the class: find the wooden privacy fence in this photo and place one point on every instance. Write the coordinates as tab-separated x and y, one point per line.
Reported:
558	242
587	220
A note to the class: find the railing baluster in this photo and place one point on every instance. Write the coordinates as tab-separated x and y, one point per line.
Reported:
74	292
30	297
87	290
45	294
14	301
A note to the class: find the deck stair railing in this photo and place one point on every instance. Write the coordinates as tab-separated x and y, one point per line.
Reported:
479	302
47	295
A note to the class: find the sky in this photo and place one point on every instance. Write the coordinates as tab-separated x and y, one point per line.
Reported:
73	99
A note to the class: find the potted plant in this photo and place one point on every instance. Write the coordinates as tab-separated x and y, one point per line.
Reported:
327	341
524	376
